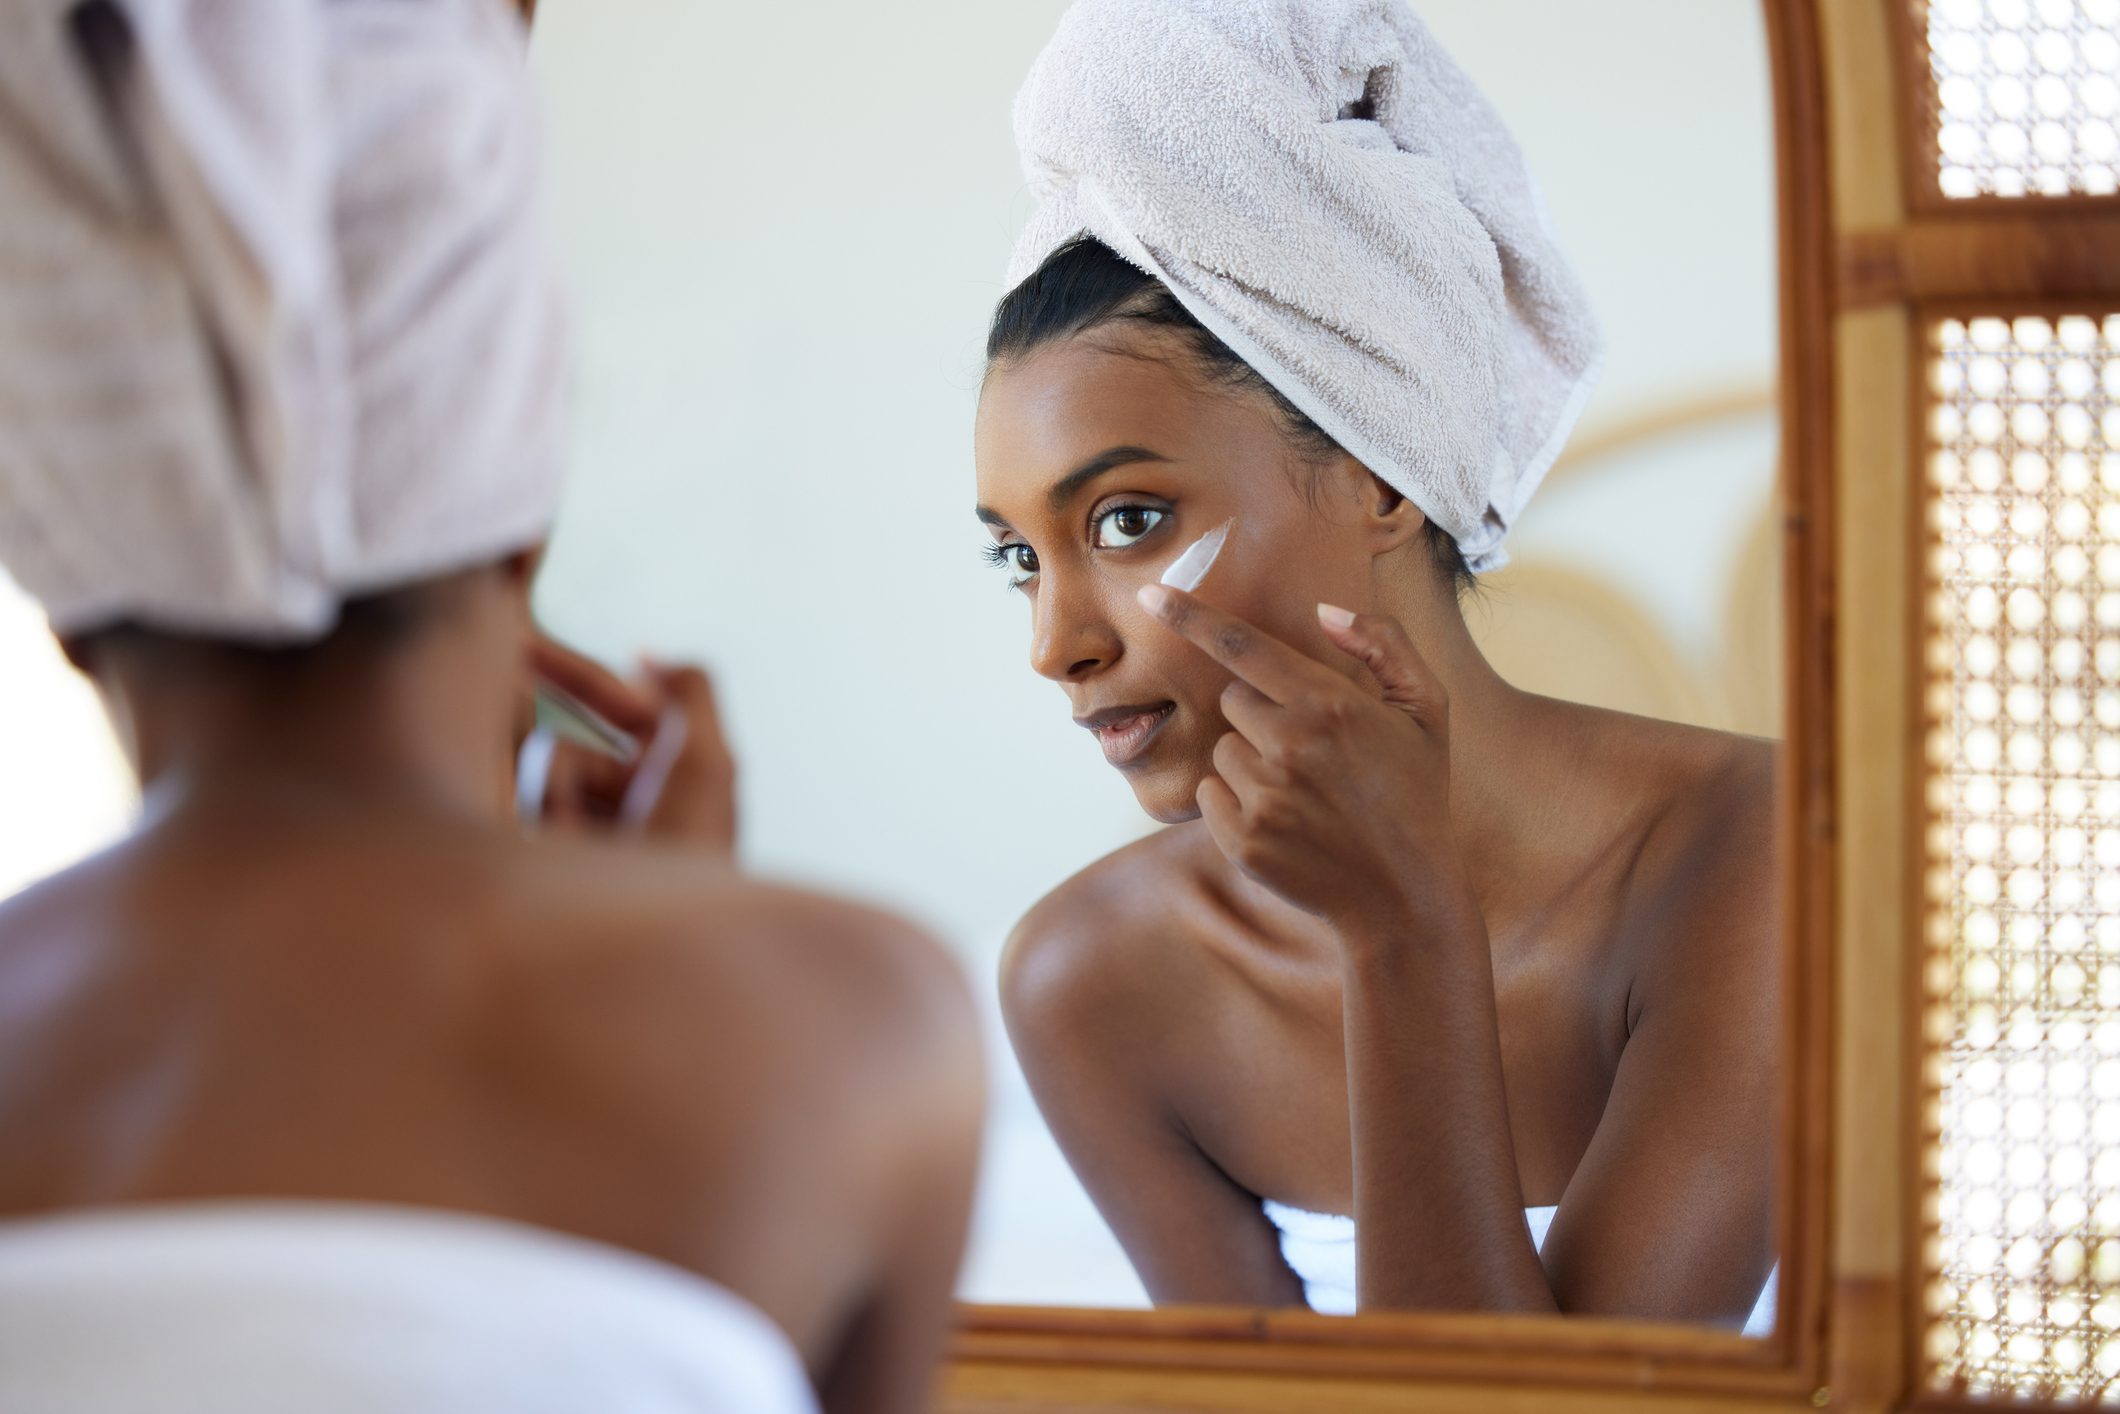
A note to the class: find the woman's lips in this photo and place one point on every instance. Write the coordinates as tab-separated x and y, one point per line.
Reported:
1125	732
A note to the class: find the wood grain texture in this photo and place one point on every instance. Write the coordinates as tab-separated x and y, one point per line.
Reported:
1862	49
1081	1390
2022	256
1875	670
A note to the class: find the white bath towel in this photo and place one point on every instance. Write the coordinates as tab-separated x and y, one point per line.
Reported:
1325	190
274	1307
278	323
1320	1249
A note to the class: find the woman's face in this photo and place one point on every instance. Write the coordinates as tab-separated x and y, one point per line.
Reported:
1100	459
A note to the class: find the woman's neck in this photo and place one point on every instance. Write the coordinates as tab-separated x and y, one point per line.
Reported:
1515	759
424	726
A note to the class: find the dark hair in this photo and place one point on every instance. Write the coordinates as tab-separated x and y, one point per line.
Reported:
1085	284
378	622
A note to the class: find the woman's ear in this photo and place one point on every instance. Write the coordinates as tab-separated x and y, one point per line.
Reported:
522	566
519	571
1385	517
1391	519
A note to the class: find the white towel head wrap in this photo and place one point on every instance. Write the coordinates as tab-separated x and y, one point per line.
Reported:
1323	188
278	324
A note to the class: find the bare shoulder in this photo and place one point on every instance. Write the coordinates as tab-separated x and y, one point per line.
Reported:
645	941
641	956
722	1043
1717	821
49	932
1107	941
1706	888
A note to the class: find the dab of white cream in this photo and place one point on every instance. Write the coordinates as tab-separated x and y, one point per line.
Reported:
1198	558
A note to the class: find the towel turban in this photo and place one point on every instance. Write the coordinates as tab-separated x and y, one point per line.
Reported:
278	322
1323	188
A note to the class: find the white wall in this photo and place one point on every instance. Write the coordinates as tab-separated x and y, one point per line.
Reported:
787	226
65	790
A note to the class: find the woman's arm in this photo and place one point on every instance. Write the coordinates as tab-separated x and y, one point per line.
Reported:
1093	1022
1670	1212
1337	799
1438	1205
936	1088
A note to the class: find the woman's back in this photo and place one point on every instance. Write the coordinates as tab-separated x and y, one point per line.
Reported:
281	992
285	441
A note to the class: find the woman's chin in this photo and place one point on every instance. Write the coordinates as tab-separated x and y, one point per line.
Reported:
1169	796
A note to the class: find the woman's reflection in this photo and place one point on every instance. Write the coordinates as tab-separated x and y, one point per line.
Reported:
1423	956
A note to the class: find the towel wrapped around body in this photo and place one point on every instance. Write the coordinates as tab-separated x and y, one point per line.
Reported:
264	1307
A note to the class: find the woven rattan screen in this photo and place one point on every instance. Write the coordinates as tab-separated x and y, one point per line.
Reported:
2024	856
2026	95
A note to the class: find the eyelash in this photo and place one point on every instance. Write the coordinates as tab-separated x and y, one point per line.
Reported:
1002	555
1159	513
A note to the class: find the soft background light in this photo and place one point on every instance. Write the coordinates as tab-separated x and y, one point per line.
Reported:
64	786
787	225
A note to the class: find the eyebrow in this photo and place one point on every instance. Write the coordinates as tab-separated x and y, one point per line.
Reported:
1066	488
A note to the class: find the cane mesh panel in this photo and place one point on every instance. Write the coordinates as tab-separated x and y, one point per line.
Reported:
2025	95
2023	879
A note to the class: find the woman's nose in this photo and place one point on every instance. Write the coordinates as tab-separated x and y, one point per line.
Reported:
1070	639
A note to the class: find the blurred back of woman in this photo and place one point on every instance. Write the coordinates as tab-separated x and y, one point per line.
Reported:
330	1086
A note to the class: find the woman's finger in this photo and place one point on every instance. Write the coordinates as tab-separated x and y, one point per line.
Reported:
624	705
1224	815
1252	712
689	688
1387	650
1262	660
1238	763
685	783
677	782
582	784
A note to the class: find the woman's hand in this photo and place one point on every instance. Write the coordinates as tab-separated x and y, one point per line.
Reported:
681	784
1334	797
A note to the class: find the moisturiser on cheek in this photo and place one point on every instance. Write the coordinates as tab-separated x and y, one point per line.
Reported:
1197	559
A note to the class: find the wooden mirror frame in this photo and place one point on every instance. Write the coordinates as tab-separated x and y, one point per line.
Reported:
1870	253
1024	1358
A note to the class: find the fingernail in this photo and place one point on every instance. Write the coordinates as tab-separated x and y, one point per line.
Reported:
1156	599
1333	616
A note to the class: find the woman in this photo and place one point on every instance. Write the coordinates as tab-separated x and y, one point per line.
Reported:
329	1089
1420	951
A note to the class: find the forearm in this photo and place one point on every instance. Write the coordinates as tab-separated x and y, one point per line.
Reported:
1438	1206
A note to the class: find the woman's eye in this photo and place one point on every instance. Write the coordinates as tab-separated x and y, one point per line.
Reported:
1121	526
1019	559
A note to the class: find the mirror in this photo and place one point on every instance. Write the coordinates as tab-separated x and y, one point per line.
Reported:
788	231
